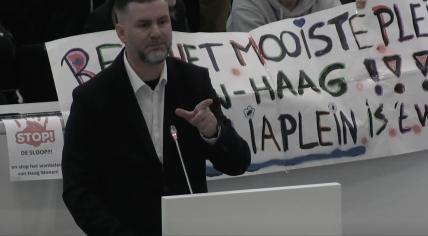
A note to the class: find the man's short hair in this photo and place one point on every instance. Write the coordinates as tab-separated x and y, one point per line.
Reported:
120	5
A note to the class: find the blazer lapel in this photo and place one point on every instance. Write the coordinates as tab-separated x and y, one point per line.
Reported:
175	97
173	100
126	104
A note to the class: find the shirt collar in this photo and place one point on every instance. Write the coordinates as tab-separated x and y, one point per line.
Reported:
136	81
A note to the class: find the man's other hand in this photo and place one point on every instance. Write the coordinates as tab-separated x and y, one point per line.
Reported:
201	117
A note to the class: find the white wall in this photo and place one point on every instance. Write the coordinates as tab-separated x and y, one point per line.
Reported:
387	196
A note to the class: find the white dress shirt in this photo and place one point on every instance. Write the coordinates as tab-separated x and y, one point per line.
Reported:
151	104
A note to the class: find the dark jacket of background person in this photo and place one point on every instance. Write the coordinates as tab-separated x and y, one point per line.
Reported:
32	23
193	13
40	21
112	176
247	15
7	62
213	15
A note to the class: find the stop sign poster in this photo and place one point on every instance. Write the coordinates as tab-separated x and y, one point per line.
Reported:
34	147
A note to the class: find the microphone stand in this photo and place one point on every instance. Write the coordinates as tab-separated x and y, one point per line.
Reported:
174	136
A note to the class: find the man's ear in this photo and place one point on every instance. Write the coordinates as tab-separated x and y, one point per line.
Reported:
120	31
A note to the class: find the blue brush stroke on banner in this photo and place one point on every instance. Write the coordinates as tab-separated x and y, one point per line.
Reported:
336	154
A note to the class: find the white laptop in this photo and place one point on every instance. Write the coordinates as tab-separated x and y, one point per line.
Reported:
294	210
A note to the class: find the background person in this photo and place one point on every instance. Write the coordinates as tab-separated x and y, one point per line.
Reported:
247	15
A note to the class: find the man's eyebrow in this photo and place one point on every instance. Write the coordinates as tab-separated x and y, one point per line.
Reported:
164	16
144	20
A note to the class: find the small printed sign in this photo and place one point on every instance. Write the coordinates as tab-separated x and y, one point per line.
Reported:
34	148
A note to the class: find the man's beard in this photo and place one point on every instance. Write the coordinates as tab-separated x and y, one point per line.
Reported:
153	57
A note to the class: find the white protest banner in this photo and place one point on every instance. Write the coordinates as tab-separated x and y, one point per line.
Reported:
330	87
343	93
35	148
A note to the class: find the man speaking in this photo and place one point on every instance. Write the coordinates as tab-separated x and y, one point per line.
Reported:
119	157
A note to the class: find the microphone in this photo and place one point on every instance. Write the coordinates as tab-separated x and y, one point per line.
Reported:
174	136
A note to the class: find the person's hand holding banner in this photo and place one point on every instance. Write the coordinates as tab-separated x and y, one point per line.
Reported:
201	117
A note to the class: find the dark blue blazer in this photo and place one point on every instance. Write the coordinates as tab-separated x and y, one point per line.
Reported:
113	179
